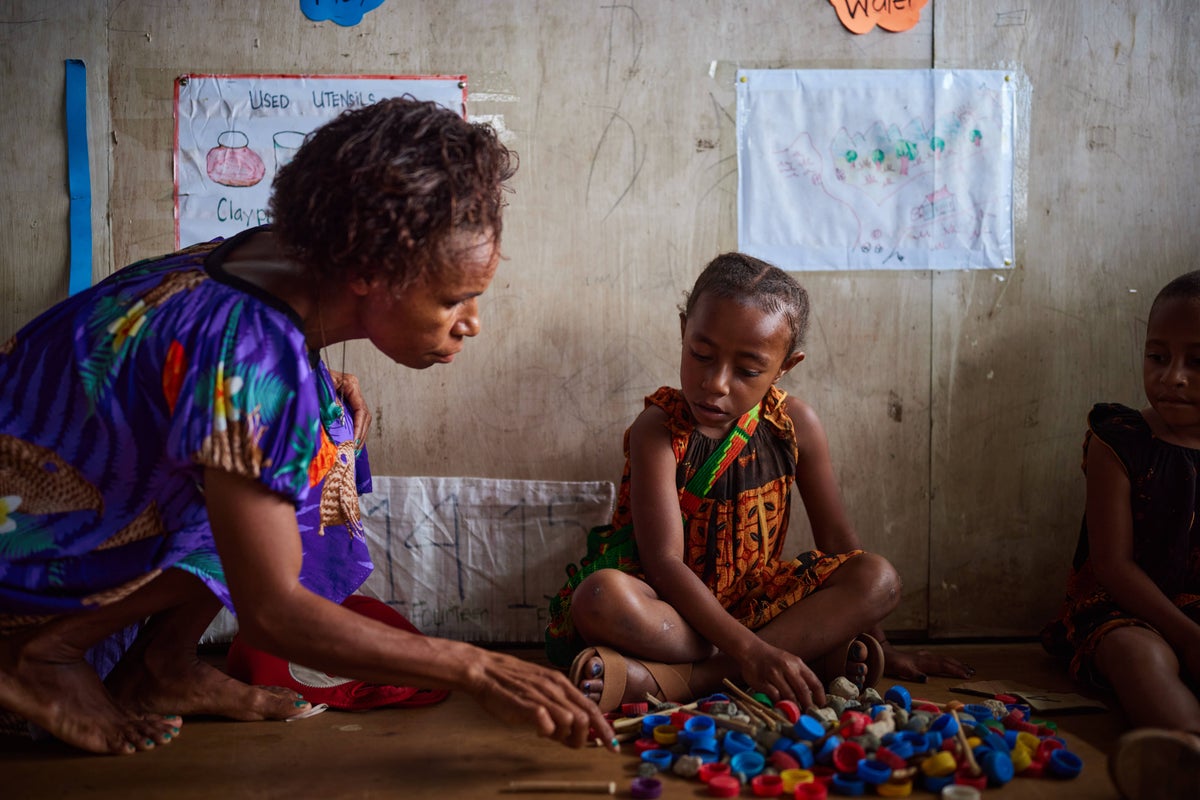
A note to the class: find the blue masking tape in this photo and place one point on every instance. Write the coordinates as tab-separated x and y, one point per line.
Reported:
79	178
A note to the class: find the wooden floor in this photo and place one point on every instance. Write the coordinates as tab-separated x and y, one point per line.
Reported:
454	750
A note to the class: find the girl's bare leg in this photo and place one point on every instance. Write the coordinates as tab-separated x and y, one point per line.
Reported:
1144	672
614	609
162	673
45	679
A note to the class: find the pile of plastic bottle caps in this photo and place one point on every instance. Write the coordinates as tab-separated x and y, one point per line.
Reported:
857	744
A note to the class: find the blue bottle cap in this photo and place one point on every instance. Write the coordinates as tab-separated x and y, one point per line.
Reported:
1064	764
998	767
803	754
659	758
737	742
810	728
847	785
826	752
944	725
749	763
873	771
900	696
979	711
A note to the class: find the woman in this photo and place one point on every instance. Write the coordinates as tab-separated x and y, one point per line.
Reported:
171	441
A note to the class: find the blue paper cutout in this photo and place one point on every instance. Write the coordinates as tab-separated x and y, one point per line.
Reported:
79	178
346	13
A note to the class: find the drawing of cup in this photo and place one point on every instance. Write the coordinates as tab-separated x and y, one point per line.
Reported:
286	145
232	162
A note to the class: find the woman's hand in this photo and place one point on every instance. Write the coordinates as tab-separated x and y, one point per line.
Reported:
780	675
348	389
523	693
920	665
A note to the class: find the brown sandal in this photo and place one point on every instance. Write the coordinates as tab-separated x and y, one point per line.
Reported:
833	665
672	679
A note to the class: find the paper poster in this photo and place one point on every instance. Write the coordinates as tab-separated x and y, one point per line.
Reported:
478	559
876	169
233	132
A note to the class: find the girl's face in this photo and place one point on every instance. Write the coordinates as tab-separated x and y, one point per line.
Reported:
732	353
428	321
1171	370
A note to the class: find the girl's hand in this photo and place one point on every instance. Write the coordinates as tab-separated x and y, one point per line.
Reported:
920	665
521	693
780	675
347	388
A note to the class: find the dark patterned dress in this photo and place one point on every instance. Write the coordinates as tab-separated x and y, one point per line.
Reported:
112	405
735	540
1166	540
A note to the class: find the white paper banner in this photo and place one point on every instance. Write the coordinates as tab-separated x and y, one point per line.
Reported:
232	132
478	559
876	169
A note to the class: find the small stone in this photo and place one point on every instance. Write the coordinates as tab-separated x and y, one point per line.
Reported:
646	770
843	687
870	697
687	766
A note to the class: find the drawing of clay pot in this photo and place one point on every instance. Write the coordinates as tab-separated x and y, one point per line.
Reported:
233	163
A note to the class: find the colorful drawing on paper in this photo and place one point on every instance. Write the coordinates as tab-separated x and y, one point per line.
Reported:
233	133
876	169
861	16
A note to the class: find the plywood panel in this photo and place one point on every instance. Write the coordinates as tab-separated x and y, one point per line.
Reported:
623	119
35	39
954	403
1019	359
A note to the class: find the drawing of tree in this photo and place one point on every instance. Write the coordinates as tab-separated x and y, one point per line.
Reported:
878	157
937	145
905	151
851	157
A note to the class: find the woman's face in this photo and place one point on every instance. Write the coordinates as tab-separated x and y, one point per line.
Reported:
428	321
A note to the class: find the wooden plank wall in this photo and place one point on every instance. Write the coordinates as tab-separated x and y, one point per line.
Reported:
954	402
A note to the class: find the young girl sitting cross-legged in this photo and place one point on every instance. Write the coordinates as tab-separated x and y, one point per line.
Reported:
697	591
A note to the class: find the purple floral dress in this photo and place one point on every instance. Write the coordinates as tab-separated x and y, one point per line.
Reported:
114	402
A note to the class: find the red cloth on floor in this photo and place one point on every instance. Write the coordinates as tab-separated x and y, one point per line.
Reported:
263	669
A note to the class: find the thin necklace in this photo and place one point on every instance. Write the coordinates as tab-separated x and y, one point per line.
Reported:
341	401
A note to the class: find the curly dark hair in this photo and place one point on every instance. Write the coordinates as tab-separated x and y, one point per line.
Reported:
382	191
748	280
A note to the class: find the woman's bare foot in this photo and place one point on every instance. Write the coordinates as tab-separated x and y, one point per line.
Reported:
51	686
173	679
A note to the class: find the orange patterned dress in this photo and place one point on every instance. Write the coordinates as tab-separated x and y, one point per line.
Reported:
734	541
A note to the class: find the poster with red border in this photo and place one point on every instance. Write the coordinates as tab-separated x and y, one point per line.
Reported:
233	132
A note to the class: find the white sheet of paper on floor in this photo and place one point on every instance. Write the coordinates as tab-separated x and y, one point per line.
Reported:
1042	701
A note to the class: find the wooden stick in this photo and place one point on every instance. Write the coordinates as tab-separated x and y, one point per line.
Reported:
581	787
629	722
732	724
962	740
768	714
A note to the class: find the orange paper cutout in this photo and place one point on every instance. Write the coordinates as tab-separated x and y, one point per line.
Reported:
860	16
